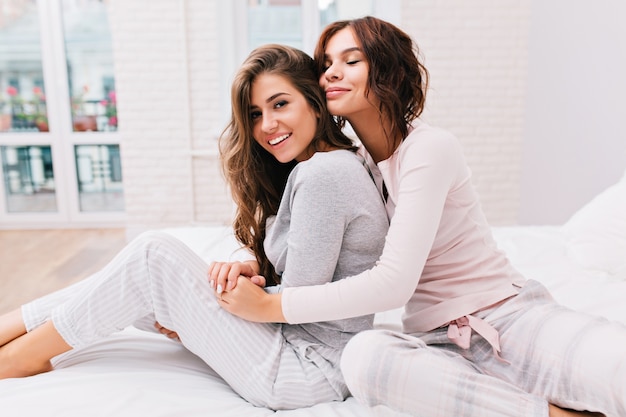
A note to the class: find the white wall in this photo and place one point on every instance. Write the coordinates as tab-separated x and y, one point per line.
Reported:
533	89
477	55
575	124
170	84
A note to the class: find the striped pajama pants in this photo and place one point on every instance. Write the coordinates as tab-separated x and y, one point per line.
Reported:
556	355
157	277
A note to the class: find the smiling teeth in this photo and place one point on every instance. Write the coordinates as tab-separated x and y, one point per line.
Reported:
279	139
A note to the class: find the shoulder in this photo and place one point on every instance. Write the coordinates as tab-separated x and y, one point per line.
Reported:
424	136
430	145
332	160
333	164
339	173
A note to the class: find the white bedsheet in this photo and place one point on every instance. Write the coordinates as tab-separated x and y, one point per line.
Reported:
136	374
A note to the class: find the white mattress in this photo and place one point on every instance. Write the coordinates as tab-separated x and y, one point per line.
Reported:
141	374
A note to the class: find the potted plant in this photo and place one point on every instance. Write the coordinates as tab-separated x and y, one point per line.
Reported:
5	116
110	109
19	113
82	122
40	115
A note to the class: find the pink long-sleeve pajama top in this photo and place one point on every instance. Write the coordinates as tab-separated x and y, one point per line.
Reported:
440	260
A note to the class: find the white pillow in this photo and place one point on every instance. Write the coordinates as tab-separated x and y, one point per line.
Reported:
597	232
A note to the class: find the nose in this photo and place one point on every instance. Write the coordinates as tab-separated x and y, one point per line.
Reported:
269	124
332	73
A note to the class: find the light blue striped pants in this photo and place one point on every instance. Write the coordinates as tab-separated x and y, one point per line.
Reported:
157	277
555	355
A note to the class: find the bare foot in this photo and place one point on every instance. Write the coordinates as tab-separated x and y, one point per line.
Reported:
30	353
11	326
13	366
555	411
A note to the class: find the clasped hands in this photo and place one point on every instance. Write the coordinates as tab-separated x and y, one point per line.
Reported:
238	288
223	276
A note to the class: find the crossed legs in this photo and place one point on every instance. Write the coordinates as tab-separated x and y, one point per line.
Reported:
557	358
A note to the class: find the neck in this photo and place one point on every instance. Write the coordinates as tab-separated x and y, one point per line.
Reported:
321	147
374	134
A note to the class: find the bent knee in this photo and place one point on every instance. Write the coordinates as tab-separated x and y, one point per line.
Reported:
372	345
160	241
154	236
359	350
371	357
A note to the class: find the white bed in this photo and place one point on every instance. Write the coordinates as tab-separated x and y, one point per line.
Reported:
134	373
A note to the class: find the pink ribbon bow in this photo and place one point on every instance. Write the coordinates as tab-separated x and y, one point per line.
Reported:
460	332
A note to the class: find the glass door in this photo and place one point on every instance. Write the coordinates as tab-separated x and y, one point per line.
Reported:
59	145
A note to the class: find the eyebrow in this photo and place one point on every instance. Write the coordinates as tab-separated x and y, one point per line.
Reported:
269	99
275	96
347	51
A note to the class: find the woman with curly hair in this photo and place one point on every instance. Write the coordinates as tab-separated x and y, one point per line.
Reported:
478	339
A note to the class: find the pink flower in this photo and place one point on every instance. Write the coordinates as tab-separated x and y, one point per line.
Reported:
38	92
112	96
104	102
12	91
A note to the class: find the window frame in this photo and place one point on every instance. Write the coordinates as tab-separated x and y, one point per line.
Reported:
234	45
60	137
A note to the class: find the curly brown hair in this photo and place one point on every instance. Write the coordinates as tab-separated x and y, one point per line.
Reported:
255	178
396	76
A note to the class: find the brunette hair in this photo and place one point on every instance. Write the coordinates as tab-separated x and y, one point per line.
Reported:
396	76
255	178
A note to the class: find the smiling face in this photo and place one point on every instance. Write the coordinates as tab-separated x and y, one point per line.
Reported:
283	122
345	77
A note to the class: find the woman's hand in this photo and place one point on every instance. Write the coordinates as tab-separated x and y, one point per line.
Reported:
223	275
250	302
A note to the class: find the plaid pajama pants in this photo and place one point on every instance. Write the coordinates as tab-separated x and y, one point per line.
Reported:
554	354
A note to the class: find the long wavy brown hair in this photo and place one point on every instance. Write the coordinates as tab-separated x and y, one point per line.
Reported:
255	178
396	76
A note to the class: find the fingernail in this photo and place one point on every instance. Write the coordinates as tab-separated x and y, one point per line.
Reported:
219	288
212	283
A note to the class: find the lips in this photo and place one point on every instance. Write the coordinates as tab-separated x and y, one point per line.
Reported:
335	92
278	139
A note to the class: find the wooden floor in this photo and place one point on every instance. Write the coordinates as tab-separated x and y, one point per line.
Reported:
36	262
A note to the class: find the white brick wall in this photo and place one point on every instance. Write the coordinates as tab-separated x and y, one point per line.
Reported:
166	55
168	81
476	53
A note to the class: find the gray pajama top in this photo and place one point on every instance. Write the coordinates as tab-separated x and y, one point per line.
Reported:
332	205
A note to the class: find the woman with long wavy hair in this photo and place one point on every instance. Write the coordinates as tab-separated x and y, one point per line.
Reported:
298	184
